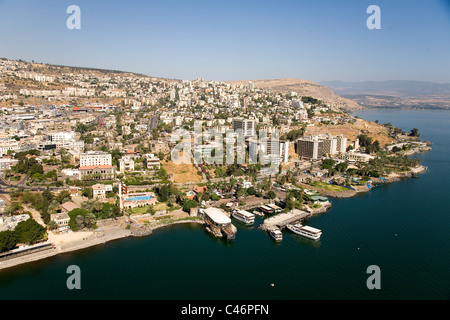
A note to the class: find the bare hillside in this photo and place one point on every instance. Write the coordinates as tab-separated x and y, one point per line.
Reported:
304	88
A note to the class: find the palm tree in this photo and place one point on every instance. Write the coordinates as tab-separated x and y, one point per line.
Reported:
97	206
79	220
89	220
52	225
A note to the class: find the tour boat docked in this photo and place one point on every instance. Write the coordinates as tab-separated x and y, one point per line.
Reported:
305	231
244	216
276	234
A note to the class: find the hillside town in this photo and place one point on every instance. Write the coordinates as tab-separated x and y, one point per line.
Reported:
84	151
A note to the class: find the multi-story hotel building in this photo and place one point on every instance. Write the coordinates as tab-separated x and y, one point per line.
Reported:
248	126
95	158
96	165
314	147
309	148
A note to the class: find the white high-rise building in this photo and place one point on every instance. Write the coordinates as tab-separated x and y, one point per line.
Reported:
58	136
284	151
341	144
329	144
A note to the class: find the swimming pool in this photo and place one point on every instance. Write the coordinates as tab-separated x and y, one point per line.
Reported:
139	198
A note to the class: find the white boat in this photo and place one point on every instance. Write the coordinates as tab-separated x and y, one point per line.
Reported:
276	234
244	216
305	231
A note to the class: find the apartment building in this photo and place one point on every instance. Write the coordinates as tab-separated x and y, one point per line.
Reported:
126	164
309	148
248	126
61	136
151	161
329	145
99	191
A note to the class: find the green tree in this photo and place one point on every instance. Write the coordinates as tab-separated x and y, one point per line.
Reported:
29	231
188	204
74	223
341	167
8	240
14	208
63	196
270	195
150	210
215	197
251	191
415	132
162	174
52	225
328	164
88	193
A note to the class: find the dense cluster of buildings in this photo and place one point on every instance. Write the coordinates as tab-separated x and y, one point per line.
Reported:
77	120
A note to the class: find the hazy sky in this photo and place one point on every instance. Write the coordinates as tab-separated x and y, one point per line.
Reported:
236	40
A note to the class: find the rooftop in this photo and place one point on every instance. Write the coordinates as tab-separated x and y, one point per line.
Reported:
69	206
217	215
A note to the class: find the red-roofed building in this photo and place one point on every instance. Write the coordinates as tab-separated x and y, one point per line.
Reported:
198	189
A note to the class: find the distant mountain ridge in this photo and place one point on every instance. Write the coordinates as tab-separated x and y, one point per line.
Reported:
394	93
403	88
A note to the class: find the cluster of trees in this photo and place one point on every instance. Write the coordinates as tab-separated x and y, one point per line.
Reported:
26	232
332	167
311	100
370	146
22	155
294	199
161	174
396	149
392	163
293	135
415	132
90	212
84	128
46	202
172	195
29	166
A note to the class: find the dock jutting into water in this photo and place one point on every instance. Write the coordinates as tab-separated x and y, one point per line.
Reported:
282	219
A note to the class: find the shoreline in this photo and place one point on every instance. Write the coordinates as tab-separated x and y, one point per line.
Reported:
90	239
110	230
394	177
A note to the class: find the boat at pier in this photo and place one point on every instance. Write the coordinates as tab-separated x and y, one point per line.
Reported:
305	231
244	216
276	234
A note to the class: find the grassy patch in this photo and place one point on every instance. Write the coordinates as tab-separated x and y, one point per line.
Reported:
140	210
328	186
